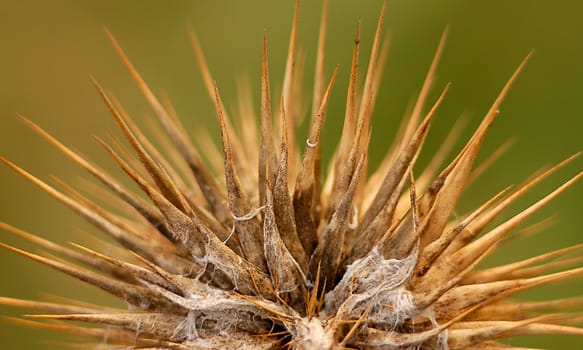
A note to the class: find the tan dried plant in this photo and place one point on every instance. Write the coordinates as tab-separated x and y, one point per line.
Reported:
276	255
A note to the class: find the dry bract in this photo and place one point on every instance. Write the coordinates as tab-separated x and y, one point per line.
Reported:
279	256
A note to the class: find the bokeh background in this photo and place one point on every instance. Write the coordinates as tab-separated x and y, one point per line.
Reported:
48	49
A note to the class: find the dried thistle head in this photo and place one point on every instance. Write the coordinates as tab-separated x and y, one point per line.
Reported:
280	253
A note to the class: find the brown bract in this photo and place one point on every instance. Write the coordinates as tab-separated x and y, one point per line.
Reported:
276	255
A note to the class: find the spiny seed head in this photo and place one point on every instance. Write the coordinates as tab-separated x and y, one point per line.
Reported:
279	253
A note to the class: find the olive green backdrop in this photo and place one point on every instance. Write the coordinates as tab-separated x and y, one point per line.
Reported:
48	49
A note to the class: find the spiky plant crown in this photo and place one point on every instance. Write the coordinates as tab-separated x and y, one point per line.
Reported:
273	256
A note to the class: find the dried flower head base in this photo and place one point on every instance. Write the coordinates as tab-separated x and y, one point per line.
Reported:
275	255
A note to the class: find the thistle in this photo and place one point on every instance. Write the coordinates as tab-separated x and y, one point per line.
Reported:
272	254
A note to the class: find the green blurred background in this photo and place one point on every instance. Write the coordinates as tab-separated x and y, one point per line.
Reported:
48	49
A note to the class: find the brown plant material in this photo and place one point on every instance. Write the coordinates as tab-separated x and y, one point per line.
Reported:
279	256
